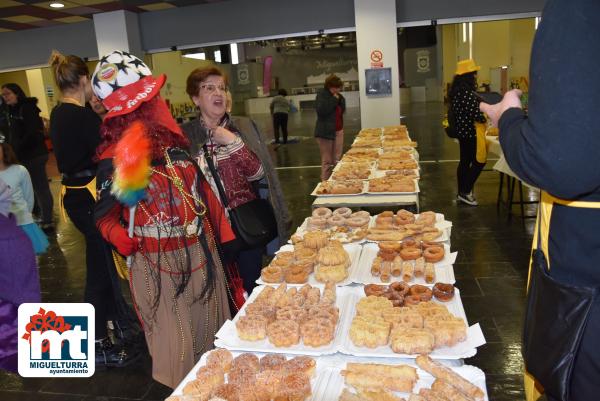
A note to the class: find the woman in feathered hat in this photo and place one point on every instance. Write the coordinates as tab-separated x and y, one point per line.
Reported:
149	184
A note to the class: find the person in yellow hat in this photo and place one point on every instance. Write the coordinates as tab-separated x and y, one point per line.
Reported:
463	113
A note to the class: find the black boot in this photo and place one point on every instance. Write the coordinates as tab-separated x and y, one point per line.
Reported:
111	355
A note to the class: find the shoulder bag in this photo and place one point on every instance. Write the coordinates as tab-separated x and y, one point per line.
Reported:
254	222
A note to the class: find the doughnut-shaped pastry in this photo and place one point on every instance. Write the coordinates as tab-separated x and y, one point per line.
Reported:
322	212
317	332
361	213
429	244
395	296
220	358
400	287
424	293
443	292
317	222
434	254
315	239
390	246
409	243
301	253
357	221
387	213
384	221
387	256
251	327
272	274
336	220
283	258
296	274
307	265
410	253
345	212
412	300
374	289
283	333
404	217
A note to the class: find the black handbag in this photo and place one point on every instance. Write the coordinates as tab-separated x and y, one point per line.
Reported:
450	131
555	318
253	223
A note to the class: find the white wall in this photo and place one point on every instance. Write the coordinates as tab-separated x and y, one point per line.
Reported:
376	30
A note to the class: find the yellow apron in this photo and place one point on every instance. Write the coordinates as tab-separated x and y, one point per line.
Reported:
120	263
532	389
481	154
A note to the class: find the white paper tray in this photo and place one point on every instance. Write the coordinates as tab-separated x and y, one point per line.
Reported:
227	335
444	273
354	251
332	389
364	191
465	349
317	383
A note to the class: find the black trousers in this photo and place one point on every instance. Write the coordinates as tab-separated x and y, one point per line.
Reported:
249	265
99	289
469	168
39	180
280	120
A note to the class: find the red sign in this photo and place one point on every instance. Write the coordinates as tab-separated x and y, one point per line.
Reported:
376	59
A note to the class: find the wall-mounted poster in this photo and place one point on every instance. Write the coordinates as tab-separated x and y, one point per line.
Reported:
378	81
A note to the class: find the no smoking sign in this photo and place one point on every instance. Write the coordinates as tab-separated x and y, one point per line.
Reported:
376	59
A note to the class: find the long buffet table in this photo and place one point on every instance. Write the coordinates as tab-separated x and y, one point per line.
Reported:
341	366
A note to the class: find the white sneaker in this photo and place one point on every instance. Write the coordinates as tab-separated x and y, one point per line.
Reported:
468	199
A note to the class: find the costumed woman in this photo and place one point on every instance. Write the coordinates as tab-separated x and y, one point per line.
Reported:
240	158
152	187
74	130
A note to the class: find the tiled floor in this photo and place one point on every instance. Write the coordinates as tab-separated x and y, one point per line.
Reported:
491	268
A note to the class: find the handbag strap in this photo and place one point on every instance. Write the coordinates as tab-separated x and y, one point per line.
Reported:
215	174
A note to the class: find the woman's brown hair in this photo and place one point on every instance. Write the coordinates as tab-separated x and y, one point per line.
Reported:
333	81
8	154
67	70
199	75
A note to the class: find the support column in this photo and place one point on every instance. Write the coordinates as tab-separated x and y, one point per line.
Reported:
118	30
376	37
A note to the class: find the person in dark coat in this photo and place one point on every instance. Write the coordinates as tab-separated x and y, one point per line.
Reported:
329	130
26	135
555	148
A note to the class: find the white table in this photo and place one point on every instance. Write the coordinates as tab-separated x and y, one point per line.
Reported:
493	146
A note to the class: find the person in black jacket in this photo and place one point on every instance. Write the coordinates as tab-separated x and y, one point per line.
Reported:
464	105
26	135
555	148
329	130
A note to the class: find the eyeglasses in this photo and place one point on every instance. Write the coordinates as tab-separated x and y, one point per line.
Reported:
211	88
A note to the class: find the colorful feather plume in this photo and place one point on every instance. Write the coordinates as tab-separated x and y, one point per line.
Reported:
132	165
